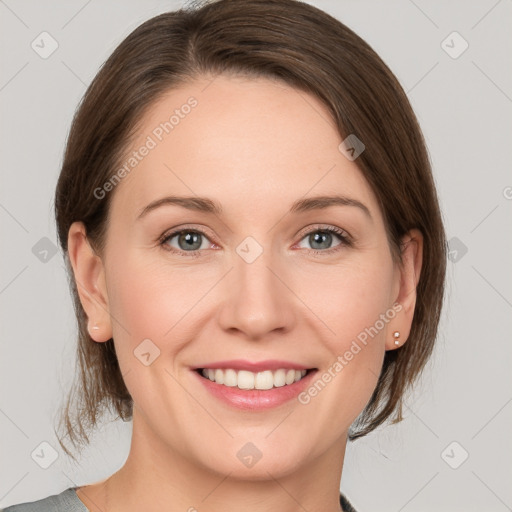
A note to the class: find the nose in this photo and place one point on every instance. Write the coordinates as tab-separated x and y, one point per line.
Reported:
256	300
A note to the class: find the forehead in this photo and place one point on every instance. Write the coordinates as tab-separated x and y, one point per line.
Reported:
247	142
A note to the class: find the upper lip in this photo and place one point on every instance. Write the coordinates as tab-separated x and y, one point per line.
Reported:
254	366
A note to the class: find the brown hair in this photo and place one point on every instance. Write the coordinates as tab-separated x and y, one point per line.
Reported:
309	50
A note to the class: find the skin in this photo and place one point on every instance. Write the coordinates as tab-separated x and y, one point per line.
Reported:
255	146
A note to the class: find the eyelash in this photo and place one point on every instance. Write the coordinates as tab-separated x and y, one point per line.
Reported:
345	241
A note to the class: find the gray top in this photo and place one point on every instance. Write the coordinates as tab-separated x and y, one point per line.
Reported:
68	501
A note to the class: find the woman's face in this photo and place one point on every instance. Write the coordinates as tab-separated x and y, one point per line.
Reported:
262	279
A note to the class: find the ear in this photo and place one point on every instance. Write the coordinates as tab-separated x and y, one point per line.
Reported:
409	274
89	275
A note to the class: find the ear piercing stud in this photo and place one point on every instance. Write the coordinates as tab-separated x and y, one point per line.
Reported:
396	335
95	327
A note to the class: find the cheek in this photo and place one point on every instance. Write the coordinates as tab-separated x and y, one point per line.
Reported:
365	297
347	298
152	299
362	318
355	303
148	298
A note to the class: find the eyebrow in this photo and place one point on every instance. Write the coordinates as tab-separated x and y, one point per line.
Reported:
203	204
322	202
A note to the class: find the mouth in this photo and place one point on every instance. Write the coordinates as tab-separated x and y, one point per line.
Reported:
254	386
247	380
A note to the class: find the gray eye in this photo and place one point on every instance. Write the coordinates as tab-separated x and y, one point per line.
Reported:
321	239
187	240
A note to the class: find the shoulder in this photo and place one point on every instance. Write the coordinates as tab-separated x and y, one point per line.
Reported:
66	501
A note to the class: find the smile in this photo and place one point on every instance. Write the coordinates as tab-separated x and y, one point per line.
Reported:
254	386
244	379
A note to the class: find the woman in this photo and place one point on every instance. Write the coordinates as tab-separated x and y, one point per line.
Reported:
257	258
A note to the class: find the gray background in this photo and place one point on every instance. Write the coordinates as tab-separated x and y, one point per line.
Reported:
464	105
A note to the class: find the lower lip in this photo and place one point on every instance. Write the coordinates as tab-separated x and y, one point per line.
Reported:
256	399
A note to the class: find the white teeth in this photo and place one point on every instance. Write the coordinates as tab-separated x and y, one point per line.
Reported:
244	379
219	376
264	380
279	378
230	378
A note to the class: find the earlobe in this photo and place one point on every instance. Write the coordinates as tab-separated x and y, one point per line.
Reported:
89	275
410	270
